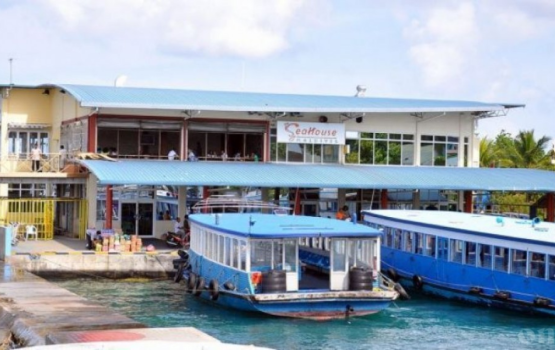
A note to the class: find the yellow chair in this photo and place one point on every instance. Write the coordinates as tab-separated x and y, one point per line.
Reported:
31	230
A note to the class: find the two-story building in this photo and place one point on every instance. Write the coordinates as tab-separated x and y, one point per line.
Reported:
121	157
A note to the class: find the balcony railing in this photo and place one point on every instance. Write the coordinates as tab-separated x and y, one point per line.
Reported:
22	163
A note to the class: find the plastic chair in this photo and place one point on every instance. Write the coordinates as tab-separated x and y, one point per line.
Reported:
31	230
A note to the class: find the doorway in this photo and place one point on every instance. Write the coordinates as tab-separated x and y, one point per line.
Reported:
137	218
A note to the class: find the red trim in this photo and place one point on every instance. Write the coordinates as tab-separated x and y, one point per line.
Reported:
297	209
156	117
384	203
91	146
550	207
108	212
468	201
184	138
268	143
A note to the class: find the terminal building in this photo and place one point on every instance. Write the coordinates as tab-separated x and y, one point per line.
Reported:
75	157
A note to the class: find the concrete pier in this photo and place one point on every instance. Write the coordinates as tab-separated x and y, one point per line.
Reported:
31	308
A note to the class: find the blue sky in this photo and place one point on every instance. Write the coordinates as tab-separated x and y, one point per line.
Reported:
491	51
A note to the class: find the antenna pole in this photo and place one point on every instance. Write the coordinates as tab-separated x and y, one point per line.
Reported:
11	72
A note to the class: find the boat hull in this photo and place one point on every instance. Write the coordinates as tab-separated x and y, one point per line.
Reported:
470	284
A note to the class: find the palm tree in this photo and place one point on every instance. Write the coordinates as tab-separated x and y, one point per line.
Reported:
525	152
489	153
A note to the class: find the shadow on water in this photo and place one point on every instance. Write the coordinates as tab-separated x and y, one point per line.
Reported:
421	323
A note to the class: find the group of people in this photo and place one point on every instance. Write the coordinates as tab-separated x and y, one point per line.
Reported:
182	229
172	155
37	156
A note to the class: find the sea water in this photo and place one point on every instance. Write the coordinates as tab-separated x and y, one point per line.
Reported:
420	323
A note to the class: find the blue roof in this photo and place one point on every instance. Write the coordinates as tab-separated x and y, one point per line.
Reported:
151	98
178	173
484	225
277	226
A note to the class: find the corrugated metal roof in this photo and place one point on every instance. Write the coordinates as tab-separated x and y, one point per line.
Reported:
150	98
257	225
148	172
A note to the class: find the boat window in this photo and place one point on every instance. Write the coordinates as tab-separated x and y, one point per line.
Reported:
388	241
408	241
501	259
227	251
470	253
442	248
551	271
327	243
537	265
261	255
290	249
456	250
221	249
207	244
484	255
397	239
430	245
339	252
418	237
518	265
243	255
233	253
277	255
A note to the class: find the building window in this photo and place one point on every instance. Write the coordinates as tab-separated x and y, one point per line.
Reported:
379	148
302	152
22	142
439	150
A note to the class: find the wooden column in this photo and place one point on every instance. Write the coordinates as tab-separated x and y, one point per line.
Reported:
91	134
108	211
297	209
468	201
383	199
550	207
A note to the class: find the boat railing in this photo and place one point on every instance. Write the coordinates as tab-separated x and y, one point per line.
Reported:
232	204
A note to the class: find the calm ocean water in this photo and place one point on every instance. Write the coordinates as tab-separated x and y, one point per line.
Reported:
420	323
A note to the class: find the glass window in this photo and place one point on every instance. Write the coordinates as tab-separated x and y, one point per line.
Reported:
430	245
408	241
442	248
470	253
243	255
551	267
380	152
426	154
277	256
290	248
352	156
537	265
397	239
501	259
339	254
261	255
485	257
331	153
227	251
456	250
366	152
418	242
295	152
388	241
519	262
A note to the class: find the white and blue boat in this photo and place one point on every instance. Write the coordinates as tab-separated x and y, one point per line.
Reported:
278	265
494	261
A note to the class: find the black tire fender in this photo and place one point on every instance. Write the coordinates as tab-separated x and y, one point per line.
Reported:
199	287
192	282
214	288
417	282
391	273
179	273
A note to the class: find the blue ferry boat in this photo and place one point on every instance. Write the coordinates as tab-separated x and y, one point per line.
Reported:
494	261
268	263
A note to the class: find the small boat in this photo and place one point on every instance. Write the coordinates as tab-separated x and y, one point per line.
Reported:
495	261
284	265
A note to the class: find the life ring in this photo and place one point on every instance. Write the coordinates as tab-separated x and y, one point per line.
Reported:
393	274
199	287
214	289
179	274
192	282
417	282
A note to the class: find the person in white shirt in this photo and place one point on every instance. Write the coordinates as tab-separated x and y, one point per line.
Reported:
63	156
36	156
178	227
192	156
172	154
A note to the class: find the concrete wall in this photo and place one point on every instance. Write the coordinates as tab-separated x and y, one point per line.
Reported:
97	264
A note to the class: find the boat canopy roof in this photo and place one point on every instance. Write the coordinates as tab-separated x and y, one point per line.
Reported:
514	229
269	226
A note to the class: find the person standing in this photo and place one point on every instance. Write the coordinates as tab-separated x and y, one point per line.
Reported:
172	154
343	213
63	156
36	156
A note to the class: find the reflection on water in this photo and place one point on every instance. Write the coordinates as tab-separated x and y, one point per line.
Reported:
416	324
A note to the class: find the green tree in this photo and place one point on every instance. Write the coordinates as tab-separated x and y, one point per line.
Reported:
489	153
525	151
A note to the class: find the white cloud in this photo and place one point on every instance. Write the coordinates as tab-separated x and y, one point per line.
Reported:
443	42
242	28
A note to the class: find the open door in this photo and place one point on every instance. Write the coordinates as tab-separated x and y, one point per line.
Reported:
339	272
